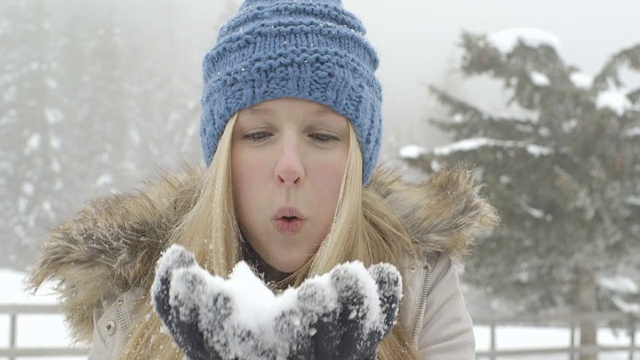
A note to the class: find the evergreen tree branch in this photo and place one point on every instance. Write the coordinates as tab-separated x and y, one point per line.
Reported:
609	75
634	96
469	121
518	69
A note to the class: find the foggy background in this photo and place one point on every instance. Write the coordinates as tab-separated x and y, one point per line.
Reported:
146	56
416	41
96	96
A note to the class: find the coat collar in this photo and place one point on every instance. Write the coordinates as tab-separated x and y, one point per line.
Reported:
444	213
113	243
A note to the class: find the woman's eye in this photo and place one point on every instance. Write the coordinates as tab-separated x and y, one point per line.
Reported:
323	137
256	136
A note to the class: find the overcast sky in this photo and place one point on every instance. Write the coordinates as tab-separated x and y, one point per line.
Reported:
416	40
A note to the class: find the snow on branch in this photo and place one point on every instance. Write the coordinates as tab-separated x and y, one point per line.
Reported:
412	152
507	40
581	80
615	100
619	284
539	79
625	307
536	213
610	73
462	112
633	200
415	151
477	143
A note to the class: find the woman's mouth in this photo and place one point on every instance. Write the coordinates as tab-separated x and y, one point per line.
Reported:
289	225
288	221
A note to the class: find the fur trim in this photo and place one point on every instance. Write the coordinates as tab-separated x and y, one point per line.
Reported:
442	214
113	243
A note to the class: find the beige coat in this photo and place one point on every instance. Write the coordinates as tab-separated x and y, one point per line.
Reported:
101	258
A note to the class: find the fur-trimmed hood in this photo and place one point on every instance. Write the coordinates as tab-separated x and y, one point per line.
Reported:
113	243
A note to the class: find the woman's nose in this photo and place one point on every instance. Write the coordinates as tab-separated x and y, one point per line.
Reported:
289	168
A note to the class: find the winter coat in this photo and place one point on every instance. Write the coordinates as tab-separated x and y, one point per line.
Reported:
104	258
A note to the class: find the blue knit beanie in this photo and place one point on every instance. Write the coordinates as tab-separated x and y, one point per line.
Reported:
308	49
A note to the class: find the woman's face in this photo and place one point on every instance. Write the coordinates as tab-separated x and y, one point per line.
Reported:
288	157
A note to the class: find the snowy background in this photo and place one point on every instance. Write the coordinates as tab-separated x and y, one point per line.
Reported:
96	95
126	78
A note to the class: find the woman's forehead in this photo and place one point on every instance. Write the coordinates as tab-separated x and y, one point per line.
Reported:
270	107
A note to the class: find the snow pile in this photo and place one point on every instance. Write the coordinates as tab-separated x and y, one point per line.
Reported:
240	317
614	99
256	307
256	304
505	41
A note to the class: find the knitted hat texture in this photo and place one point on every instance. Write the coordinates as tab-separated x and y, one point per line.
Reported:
308	49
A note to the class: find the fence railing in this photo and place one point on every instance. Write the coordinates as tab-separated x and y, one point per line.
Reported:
12	352
570	321
625	322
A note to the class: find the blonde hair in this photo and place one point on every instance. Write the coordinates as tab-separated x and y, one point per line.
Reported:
364	229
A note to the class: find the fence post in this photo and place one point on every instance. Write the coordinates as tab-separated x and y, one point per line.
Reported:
572	343
12	333
632	342
13	351
493	341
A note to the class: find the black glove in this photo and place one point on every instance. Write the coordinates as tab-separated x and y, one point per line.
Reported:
341	315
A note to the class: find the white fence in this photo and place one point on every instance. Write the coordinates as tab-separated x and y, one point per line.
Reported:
12	352
624	322
570	321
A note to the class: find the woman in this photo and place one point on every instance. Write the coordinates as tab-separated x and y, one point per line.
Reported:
291	131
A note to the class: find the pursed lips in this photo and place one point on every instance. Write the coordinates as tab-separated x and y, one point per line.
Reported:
288	220
289	213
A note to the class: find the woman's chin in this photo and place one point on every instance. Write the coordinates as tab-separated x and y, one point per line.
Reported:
284	266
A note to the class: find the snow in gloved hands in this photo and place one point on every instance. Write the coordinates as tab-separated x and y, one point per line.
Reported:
343	314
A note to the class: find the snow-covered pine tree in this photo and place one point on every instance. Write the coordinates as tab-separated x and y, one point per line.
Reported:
64	110
108	114
565	179
30	122
95	108
166	94
164	80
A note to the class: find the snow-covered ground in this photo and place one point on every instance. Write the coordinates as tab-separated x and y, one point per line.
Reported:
50	331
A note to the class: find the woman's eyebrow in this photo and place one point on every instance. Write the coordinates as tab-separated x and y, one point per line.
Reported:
259	111
321	111
264	111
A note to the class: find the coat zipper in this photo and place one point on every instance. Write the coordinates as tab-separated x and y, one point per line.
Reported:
120	315
423	303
